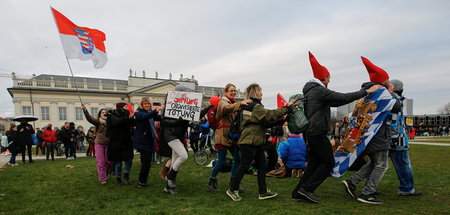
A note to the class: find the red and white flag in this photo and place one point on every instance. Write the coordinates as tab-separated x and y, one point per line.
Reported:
81	42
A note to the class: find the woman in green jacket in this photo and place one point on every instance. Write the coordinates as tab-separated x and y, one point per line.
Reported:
256	119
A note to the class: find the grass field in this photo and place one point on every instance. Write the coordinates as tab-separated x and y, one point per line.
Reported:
50	188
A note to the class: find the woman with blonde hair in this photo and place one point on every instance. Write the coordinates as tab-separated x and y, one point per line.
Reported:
225	115
256	119
145	137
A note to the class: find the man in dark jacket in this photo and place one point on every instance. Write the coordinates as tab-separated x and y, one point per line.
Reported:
319	99
65	136
378	147
25	139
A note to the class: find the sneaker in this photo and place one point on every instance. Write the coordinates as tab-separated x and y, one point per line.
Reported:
310	196
268	195
412	193
11	164
234	195
171	191
140	185
171	183
15	164
349	187
369	199
103	182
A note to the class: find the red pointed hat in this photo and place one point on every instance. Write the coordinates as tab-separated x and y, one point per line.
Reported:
320	72
376	73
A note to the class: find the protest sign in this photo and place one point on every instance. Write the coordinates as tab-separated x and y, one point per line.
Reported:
186	105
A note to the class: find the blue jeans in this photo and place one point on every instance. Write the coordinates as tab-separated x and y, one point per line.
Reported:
82	146
402	165
222	155
12	160
118	167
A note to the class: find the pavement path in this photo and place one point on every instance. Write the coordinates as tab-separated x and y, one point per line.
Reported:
4	158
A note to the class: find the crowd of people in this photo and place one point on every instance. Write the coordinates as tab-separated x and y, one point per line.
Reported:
263	140
49	141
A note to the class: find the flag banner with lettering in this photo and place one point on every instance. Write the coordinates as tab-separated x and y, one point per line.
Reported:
367	117
186	105
81	42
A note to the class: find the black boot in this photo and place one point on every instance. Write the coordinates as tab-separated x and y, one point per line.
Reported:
212	185
171	177
126	177
119	181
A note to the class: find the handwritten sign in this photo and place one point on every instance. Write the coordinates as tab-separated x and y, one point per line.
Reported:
186	105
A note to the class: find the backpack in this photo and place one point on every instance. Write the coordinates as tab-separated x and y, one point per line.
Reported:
298	122
212	120
234	133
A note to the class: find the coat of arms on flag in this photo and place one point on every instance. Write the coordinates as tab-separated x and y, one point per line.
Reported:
81	42
367	117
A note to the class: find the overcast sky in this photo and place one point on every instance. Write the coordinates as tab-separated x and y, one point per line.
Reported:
241	42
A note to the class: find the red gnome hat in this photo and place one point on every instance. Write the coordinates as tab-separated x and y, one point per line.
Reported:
376	73
320	72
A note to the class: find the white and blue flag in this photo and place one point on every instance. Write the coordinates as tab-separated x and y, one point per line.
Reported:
367	117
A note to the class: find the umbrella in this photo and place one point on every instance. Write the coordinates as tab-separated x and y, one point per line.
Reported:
25	117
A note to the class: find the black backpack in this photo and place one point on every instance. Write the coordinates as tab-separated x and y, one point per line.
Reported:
235	129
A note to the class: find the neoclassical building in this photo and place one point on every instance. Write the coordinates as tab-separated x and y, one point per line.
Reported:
54	98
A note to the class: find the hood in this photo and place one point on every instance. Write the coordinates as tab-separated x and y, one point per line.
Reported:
308	86
367	85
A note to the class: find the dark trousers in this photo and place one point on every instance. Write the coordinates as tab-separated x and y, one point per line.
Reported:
248	154
73	150
27	147
194	144
50	150
146	163
272	156
320	163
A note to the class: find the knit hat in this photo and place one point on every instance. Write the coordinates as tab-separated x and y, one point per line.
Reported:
182	88
320	72
120	104
214	100
376	73
398	85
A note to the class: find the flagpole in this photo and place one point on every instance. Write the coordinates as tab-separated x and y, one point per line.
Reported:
73	80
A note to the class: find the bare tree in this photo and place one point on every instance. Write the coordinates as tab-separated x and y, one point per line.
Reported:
444	109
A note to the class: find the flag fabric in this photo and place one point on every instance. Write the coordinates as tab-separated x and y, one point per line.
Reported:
367	117
281	101
81	42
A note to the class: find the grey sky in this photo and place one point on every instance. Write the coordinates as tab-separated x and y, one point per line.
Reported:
241	42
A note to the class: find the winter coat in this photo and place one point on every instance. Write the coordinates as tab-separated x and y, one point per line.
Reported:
24	137
90	136
100	128
144	131
195	131
382	139
64	135
204	125
256	120
226	112
319	99
171	129
49	135
293	153
120	147
12	136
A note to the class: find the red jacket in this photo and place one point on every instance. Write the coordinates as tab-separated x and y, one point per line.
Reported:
49	135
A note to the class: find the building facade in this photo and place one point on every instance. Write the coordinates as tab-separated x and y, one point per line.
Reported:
57	99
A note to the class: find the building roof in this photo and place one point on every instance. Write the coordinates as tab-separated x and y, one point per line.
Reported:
80	79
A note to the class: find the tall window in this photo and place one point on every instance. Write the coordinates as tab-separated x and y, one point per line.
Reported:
78	113
94	111
26	110
62	113
45	113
